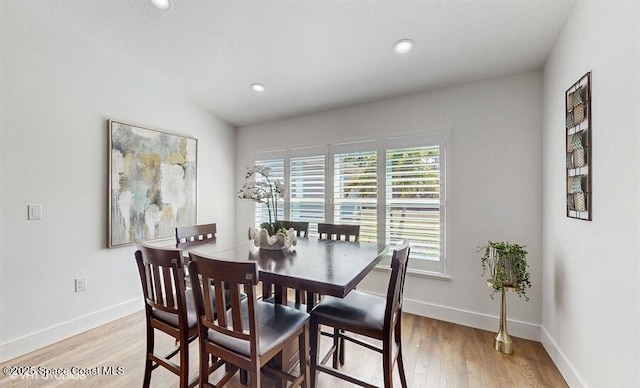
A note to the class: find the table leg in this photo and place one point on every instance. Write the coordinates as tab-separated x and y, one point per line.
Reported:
502	342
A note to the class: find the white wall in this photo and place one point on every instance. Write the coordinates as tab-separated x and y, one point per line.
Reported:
495	179
591	299
58	90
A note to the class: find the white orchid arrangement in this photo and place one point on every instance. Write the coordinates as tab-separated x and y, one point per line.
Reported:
266	190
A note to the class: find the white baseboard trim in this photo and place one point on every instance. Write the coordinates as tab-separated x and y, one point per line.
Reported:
28	343
563	364
473	319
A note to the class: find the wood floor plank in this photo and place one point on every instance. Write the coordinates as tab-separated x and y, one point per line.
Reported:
436	354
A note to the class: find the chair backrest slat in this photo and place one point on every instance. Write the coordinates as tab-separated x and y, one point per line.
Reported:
157	285
195	234
399	262
168	287
207	290
145	275
338	232
236	314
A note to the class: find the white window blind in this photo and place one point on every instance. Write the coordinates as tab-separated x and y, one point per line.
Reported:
356	192
307	190
413	199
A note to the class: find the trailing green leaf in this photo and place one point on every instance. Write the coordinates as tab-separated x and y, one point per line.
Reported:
506	255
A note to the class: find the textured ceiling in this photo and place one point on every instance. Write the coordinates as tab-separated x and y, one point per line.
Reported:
316	55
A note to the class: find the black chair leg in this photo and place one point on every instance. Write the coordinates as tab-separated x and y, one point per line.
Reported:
315	350
341	354
303	354
387	368
336	347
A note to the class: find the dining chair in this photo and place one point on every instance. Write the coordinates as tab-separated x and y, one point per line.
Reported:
367	315
335	232
195	234
338	232
252	332
190	235
169	308
301	227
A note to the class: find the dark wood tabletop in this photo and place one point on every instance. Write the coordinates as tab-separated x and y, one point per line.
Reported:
319	266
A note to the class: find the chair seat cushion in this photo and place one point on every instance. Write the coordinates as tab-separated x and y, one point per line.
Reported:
192	317
358	312
172	319
276	323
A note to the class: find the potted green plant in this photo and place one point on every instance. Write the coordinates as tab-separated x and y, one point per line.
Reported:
506	263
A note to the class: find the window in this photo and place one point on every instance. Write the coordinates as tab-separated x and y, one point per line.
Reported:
413	199
355	192
307	190
394	188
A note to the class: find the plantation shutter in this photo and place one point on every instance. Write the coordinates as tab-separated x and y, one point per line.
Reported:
414	199
393	187
356	191
307	190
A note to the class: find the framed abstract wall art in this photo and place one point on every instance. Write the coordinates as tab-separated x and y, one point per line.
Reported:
152	183
578	138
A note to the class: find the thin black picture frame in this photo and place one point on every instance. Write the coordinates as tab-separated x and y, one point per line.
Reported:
578	128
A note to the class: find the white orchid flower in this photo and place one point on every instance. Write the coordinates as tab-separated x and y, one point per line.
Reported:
259	187
280	188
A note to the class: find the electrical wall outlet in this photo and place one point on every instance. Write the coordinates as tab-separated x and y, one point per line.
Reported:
34	212
81	284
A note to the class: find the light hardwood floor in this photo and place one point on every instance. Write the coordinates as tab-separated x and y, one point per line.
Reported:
436	354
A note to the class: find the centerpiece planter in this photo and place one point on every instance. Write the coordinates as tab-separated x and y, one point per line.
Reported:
279	241
261	188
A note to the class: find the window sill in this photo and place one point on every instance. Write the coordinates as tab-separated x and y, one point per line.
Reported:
419	274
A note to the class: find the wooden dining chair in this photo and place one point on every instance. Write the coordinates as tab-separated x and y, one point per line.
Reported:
195	234
188	236
367	315
169	308
339	232
301	227
252	332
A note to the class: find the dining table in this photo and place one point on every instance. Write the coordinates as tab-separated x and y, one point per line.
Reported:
317	267
325	267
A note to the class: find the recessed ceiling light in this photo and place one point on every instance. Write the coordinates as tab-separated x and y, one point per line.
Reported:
256	87
164	5
403	46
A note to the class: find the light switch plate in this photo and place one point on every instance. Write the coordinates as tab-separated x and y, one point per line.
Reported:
81	284
34	212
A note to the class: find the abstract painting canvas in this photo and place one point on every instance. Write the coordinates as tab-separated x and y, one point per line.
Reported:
152	183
